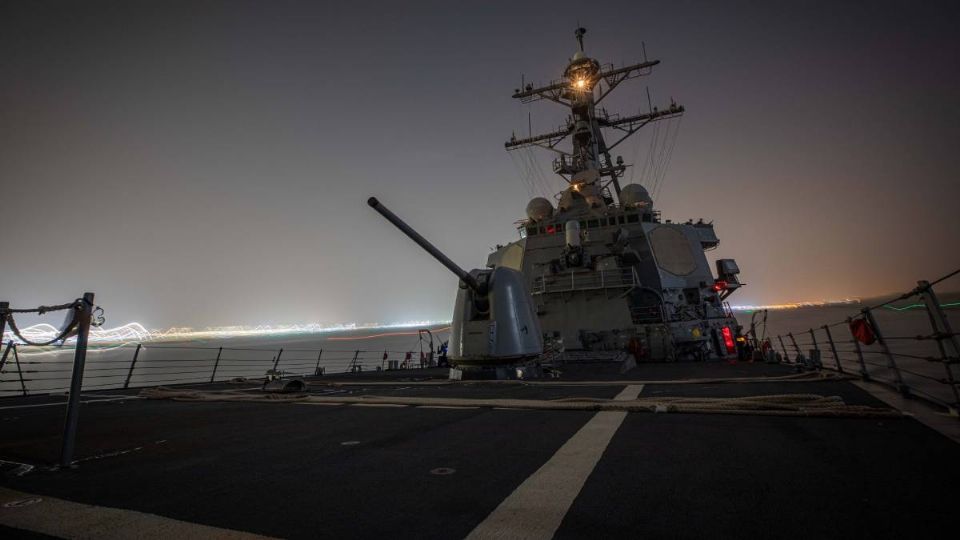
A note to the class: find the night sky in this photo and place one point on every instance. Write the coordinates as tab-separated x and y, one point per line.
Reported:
207	163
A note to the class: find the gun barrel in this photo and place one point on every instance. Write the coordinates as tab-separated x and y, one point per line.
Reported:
422	242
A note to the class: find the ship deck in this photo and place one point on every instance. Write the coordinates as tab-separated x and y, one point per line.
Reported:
161	468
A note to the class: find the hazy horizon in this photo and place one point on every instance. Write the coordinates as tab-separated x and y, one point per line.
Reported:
207	163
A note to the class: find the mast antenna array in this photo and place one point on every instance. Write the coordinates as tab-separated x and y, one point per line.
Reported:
584	84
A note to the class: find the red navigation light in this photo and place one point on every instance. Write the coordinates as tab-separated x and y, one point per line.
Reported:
728	339
719	285
551	229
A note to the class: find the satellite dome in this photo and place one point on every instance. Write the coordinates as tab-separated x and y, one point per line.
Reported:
635	196
578	56
539	209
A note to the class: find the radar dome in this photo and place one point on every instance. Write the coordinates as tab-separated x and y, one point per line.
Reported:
635	196
539	209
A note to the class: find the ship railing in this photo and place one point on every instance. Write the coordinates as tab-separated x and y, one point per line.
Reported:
31	370
29	367
918	360
562	282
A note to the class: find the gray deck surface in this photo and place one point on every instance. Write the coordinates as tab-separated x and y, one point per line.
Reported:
281	469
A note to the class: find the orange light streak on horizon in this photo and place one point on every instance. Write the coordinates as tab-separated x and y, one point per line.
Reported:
386	334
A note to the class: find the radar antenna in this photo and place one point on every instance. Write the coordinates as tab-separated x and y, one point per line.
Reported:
584	84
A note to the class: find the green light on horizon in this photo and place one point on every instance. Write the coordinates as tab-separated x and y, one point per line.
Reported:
915	306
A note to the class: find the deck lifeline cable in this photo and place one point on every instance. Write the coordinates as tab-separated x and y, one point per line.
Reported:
808	405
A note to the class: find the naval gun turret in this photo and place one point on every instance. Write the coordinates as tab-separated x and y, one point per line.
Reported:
494	322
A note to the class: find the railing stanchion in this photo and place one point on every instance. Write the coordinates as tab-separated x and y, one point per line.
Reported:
833	348
76	380
796	347
786	355
864	374
891	363
16	358
816	347
216	364
4	306
316	370
3	359
353	363
133	364
944	336
277	361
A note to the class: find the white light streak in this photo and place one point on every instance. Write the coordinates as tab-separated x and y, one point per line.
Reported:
135	332
797	305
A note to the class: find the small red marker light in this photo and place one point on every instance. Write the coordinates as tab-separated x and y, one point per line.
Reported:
728	339
719	285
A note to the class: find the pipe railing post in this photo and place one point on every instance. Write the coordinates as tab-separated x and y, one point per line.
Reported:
16	358
276	361
944	336
216	363
4	306
76	380
864	374
891	363
316	370
3	359
796	347
786	355
353	363
816	347
833	348
133	364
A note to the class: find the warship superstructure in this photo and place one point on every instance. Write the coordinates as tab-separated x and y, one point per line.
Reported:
605	271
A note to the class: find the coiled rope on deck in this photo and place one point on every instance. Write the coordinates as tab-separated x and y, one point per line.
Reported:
7	314
800	405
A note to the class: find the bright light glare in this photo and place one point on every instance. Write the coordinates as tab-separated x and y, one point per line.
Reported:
135	332
581	83
796	305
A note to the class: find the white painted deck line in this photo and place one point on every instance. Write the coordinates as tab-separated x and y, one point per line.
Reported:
947	425
64	403
535	509
66	519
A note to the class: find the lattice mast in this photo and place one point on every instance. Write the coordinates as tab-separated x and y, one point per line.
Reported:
584	85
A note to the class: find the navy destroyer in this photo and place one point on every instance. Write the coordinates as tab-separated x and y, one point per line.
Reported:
606	272
661	450
600	270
